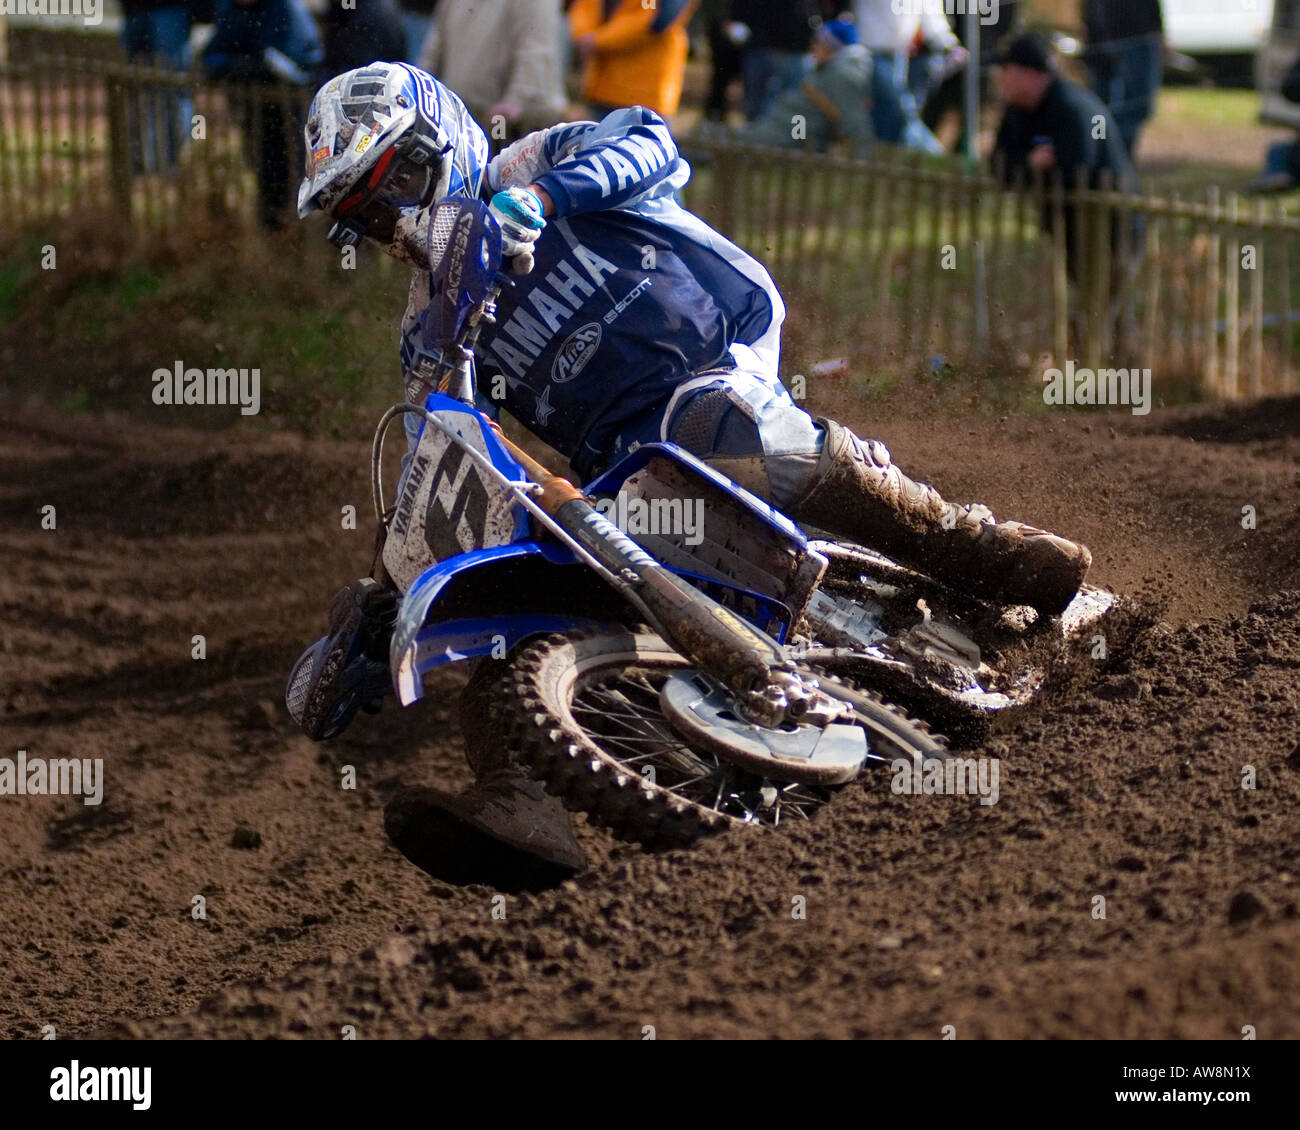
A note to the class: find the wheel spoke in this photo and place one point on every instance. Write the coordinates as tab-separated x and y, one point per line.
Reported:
624	716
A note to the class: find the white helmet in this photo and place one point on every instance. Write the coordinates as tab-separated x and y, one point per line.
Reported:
383	142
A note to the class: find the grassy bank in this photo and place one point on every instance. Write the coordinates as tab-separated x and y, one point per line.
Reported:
89	334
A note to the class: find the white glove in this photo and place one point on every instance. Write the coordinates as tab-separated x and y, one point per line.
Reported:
519	212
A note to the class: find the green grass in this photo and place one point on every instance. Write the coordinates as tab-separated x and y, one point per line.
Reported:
138	285
325	340
1208	106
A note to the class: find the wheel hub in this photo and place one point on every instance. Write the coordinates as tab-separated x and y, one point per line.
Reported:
703	711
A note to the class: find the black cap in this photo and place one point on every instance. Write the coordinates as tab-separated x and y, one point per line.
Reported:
1028	50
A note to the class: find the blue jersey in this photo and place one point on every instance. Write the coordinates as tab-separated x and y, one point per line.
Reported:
630	296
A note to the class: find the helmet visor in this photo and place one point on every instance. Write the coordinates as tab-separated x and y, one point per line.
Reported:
394	185
405	184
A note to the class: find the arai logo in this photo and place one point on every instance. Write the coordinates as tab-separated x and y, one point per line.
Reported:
574	354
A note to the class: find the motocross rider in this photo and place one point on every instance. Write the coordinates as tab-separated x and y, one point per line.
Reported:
691	356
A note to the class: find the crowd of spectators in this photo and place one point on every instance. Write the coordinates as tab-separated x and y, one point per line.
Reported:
902	64
791	73
831	100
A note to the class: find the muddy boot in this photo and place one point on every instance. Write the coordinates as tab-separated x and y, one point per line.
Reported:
859	494
347	670
505	830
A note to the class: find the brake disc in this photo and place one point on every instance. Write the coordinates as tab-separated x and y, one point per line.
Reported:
702	710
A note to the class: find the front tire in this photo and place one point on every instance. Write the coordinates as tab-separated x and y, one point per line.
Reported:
582	712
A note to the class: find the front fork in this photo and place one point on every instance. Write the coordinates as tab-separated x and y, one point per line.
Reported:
749	662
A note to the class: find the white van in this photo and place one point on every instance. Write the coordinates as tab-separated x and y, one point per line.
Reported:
1206	28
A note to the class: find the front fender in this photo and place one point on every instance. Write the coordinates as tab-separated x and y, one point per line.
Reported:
442	620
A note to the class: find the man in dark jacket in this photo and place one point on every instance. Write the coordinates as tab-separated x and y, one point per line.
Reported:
1058	130
725	56
265	42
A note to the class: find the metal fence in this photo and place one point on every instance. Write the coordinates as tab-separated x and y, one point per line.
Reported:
929	263
898	261
149	150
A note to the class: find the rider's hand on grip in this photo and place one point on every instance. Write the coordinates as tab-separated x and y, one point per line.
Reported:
520	214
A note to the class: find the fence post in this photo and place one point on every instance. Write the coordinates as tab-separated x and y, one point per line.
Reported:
980	280
1060	266
9	195
997	241
1284	289
1214	282
919	191
938	322
1232	297
724	200
1151	255
1257	305
1101	217
119	145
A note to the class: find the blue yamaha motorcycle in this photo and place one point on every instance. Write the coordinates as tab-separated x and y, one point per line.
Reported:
663	649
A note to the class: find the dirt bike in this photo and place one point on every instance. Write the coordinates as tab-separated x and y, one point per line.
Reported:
734	672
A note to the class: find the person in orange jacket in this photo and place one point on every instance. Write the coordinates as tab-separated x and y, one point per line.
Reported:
634	50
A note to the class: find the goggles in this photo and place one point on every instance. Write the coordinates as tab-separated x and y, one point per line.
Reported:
395	184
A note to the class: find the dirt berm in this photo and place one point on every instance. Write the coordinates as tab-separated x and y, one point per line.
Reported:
921	912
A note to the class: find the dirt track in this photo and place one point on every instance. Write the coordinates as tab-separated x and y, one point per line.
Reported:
921	911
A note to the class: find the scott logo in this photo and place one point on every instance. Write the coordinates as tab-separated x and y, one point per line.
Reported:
576	352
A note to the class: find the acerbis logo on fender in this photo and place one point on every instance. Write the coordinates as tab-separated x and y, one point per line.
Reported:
574	354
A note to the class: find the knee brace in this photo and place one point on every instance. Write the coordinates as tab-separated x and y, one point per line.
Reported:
771	449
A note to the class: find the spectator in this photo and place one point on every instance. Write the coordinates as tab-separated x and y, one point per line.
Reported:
634	54
1282	162
264	42
949	95
725	55
832	101
358	33
417	19
937	54
777	35
157	32
503	58
1052	125
1125	55
893	33
1061	131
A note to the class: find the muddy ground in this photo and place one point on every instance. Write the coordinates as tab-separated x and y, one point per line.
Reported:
921	911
